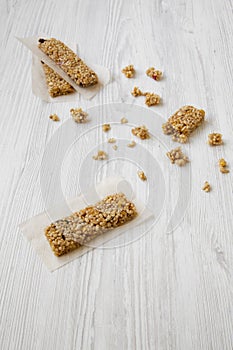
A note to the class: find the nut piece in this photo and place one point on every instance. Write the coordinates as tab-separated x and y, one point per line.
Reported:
176	156
206	187
132	144
141	132
154	74
111	140
114	147
57	86
152	99
129	71
72	232
142	176
106	127
68	61
78	115
137	92
54	117
124	120
183	122
101	155
223	166
215	139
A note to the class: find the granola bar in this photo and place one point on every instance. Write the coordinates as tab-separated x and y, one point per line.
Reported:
70	233
183	122
57	86
68	61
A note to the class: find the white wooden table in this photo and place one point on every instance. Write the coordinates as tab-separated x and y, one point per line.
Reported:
165	291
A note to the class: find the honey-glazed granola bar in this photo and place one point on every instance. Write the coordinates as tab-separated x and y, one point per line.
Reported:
57	86
81	227
183	122
68	61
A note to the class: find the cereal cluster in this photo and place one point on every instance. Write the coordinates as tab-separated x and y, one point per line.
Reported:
154	74
141	132
142	175
176	156
54	117
215	139
106	127
129	71
223	167
151	99
78	115
101	155
206	187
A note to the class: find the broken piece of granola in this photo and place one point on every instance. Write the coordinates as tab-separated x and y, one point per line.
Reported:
154	74
101	155
176	156
215	139
137	92
111	140
106	127
114	147
54	117
142	175
128	71
141	132
124	120
206	187
152	99
223	167
183	122
132	144
78	115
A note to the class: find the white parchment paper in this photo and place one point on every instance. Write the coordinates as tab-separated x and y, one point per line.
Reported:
33	229
39	86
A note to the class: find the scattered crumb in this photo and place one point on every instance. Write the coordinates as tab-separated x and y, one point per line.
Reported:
78	115
223	167
215	139
141	132
106	127
176	156
152	99
183	122
54	117
206	187
132	144
142	176
154	74
129	71
114	147
101	155
124	120
111	140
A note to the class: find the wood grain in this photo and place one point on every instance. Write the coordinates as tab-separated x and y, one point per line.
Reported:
165	291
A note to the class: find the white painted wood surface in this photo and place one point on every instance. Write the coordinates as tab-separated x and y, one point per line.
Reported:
164	291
